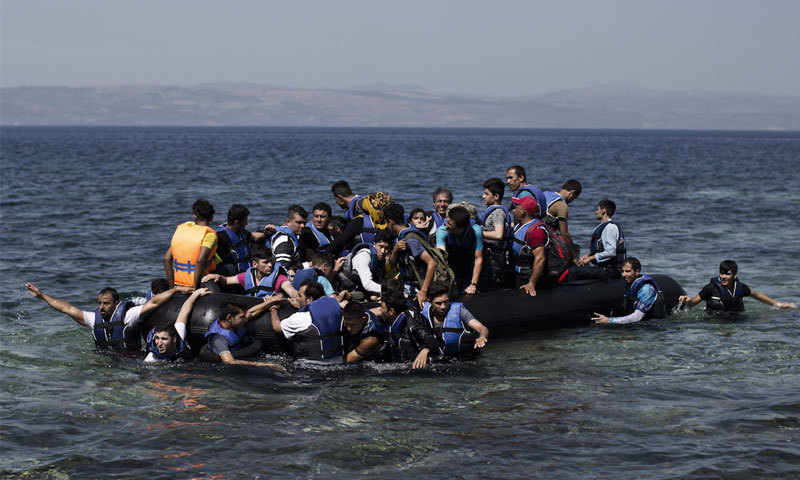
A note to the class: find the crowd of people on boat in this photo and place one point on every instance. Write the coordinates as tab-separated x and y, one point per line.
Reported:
412	266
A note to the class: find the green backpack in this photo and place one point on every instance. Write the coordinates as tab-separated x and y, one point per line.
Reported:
443	271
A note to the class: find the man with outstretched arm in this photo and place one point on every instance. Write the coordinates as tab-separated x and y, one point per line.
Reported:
114	324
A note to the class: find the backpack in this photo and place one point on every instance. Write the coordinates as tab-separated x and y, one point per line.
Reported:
557	256
443	271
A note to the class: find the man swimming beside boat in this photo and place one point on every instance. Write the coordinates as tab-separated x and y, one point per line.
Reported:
643	297
114	324
166	342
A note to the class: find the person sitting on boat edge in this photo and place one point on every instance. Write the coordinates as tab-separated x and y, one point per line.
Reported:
460	334
725	293
227	334
193	250
315	330
419	263
527	247
643	296
517	181
166	342
263	278
557	210
409	335
316	237
496	225
607	248
365	266
114	324
365	333
284	239
463	242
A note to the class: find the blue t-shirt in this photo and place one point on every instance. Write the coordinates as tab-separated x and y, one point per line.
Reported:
646	298
441	236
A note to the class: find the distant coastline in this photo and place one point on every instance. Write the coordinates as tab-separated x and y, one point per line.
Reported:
380	105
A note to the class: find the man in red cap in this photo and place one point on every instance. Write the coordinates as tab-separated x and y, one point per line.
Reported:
527	247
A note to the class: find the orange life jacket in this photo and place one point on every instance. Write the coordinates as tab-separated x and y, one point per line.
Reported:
186	244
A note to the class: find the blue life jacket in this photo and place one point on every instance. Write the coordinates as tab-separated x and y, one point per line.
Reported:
285	230
350	213
114	334
323	240
726	302
521	253
537	194
323	339
240	246
376	267
373	328
236	339
438	220
301	276
368	230
266	287
181	348
657	310
597	246
507	226
551	198
148	296
455	337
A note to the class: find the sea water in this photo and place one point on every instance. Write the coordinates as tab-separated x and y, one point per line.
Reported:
684	397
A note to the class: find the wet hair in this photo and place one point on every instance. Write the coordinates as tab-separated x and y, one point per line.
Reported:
159	285
437	289
395	213
314	289
237	212
608	205
296	210
384	235
459	216
341	188
110	291
634	263
728	266
203	209
495	187
320	259
519	171
322	206
443	190
392	295
338	221
167	327
353	316
230	309
572	185
261	252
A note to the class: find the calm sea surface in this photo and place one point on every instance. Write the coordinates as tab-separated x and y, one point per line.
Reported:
685	397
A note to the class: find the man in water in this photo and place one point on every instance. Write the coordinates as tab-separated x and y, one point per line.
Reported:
193	250
409	334
227	334
365	334
643	297
726	293
167	342
114	324
454	326
315	330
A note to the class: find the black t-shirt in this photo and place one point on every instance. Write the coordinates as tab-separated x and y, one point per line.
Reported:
710	290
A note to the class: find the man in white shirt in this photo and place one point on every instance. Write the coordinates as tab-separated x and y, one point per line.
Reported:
114	324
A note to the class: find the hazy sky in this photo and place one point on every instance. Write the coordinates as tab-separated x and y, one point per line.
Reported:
505	48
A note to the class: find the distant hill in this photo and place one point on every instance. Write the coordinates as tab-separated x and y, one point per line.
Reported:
384	105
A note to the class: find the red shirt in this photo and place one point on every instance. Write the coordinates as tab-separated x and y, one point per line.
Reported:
536	236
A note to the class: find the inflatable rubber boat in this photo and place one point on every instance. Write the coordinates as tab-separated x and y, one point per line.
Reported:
504	312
